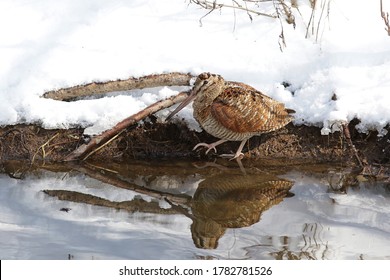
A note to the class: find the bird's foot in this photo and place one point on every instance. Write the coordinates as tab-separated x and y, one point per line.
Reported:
208	146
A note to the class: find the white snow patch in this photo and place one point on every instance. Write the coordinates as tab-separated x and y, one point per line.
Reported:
47	45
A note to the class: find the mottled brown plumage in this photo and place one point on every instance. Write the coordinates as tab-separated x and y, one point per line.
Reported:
233	111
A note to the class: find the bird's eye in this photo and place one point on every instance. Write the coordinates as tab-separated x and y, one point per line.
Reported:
204	75
205	82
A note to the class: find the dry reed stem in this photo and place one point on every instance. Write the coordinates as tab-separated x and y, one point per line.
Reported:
42	147
385	17
214	5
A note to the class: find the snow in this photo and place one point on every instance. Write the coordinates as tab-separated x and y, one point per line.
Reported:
47	45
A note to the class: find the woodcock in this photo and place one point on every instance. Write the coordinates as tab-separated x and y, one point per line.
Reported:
233	111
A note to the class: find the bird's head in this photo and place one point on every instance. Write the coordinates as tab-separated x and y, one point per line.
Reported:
207	86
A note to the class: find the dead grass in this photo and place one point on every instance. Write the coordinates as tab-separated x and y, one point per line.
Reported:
153	140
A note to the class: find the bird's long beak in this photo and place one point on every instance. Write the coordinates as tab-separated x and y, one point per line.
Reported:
185	102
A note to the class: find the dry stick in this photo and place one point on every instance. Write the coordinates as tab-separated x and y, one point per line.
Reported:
86	150
99	88
351	145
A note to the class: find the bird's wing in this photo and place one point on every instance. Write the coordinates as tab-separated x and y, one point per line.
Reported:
244	109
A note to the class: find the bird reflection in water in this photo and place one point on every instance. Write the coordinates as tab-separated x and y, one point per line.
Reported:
232	201
222	201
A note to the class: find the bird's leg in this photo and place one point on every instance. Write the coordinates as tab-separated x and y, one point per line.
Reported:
238	154
210	146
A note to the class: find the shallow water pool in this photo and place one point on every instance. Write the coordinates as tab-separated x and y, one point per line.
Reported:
191	210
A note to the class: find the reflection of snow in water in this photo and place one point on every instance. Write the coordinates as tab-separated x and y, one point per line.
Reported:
314	224
325	225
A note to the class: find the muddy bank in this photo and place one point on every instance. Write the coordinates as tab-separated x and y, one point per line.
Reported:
174	140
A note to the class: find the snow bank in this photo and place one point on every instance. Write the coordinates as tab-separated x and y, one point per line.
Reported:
47	45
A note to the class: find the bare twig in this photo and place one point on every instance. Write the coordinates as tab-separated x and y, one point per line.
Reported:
213	5
313	8
248	13
347	135
87	150
313	28
287	13
100	88
320	19
282	41
252	8
209	12
385	17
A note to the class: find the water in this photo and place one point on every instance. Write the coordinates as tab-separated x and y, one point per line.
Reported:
191	210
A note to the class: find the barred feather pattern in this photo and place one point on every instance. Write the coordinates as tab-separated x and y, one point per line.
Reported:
235	111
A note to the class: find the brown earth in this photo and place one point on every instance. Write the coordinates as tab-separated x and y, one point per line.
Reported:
157	140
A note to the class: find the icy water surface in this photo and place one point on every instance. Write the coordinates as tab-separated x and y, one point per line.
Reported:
191	210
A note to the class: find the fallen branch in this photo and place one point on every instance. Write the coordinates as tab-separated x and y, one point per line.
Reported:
86	150
100	88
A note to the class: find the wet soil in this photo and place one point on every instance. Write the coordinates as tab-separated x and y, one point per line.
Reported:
153	140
